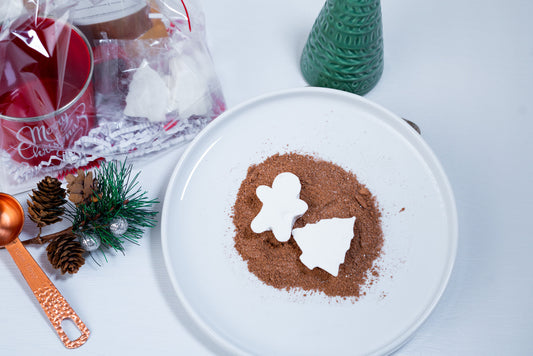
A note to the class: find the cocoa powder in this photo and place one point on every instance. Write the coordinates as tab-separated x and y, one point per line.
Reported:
330	191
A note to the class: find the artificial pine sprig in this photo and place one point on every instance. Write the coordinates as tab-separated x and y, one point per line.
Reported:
116	194
104	213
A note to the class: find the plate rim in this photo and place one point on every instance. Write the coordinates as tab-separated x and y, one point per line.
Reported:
437	169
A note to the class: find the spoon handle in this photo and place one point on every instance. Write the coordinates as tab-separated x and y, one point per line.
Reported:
54	305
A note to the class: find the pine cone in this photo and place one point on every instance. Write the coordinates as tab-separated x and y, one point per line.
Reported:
46	205
80	188
66	253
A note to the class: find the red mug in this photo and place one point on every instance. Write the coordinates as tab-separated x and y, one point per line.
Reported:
46	90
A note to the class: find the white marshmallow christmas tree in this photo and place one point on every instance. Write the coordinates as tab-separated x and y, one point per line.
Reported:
325	243
148	94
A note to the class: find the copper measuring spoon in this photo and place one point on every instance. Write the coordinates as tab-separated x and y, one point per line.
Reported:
54	305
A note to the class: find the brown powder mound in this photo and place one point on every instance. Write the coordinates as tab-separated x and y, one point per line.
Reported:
330	192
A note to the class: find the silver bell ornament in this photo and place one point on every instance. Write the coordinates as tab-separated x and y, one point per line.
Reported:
118	226
89	243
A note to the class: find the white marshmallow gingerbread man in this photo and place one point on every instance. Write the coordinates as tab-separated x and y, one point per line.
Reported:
281	206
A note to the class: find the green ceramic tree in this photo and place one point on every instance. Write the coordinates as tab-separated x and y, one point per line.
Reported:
345	47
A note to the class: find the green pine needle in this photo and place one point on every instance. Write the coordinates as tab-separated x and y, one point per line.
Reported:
116	194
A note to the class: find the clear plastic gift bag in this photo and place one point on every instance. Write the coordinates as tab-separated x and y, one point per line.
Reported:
89	80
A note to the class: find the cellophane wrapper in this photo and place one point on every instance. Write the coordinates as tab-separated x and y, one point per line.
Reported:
154	82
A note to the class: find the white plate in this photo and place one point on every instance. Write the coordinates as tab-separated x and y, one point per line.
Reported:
246	316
